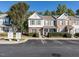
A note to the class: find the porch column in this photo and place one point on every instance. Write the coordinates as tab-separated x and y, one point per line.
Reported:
57	30
68	31
43	31
48	30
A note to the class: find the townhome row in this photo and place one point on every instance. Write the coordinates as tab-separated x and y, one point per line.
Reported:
45	24
5	23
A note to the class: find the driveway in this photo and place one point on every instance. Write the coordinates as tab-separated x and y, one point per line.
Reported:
38	48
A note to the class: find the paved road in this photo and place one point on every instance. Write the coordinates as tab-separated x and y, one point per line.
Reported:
34	48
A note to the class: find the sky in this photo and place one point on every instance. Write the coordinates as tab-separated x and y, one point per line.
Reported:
40	5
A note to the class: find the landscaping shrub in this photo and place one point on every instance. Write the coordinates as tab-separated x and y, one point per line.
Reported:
76	35
33	34
67	35
59	34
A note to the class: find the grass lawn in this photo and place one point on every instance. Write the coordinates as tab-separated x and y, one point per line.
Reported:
5	36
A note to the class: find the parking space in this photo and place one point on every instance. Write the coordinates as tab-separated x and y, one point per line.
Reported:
38	48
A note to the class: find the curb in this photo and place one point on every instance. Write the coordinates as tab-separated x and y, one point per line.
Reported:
13	42
53	39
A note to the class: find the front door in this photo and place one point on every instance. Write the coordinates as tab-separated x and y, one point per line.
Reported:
45	31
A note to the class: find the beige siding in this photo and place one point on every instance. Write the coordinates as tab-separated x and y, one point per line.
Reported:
59	26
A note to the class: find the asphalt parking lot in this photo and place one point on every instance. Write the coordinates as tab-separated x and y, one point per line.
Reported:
38	48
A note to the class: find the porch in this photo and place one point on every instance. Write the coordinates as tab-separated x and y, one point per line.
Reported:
45	31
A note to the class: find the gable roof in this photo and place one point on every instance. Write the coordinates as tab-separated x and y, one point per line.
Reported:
55	16
47	17
3	15
35	16
63	16
73	17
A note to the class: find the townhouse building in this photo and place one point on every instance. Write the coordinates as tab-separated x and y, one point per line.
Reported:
45	24
5	23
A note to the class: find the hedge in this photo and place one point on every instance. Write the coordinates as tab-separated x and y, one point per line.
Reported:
33	34
76	35
59	34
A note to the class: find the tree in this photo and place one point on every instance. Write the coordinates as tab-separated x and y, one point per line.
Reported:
53	13
70	12
1	12
77	12
40	13
61	9
18	13
48	13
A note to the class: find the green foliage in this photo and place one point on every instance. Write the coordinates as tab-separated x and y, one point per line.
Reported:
70	12
33	34
61	9
59	34
67	35
76	35
18	13
46	12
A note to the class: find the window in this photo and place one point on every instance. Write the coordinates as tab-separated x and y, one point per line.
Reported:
32	22
51	30
38	22
1	21
6	29
46	22
46	30
61	22
77	22
52	23
33	30
7	21
77	30
66	22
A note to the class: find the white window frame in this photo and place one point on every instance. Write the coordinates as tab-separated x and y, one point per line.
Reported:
46	22
52	23
61	22
77	30
31	22
77	22
66	22
38	22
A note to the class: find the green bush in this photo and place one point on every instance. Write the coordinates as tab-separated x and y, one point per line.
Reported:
59	34
76	35
33	34
67	35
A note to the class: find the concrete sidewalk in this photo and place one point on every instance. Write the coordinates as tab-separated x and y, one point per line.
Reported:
12	42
